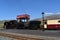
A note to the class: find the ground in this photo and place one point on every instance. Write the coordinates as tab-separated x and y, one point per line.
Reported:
18	37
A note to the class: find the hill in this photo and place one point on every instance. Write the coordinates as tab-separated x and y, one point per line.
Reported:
51	17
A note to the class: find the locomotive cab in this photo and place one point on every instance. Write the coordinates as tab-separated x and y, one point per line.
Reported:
23	21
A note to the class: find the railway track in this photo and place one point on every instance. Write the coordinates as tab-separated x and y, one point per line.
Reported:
48	34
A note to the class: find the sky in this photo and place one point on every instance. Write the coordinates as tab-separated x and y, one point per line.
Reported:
9	9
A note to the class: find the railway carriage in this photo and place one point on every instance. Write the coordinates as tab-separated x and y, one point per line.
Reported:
52	24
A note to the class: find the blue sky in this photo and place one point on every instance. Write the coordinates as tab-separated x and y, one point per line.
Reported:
9	9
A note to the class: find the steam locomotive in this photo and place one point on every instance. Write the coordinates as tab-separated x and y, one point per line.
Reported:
22	22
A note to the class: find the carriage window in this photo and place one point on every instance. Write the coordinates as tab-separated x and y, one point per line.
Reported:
59	21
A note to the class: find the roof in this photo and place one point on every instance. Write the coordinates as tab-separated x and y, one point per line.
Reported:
23	16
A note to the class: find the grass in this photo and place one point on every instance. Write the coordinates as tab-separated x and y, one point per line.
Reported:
1	25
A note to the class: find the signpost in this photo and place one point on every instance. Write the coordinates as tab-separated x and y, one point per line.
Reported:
43	21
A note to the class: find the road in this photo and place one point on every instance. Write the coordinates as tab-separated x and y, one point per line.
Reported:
51	33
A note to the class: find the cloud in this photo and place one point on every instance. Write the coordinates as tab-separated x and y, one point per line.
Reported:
47	14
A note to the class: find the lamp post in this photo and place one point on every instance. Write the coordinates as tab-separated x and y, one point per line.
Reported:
43	20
